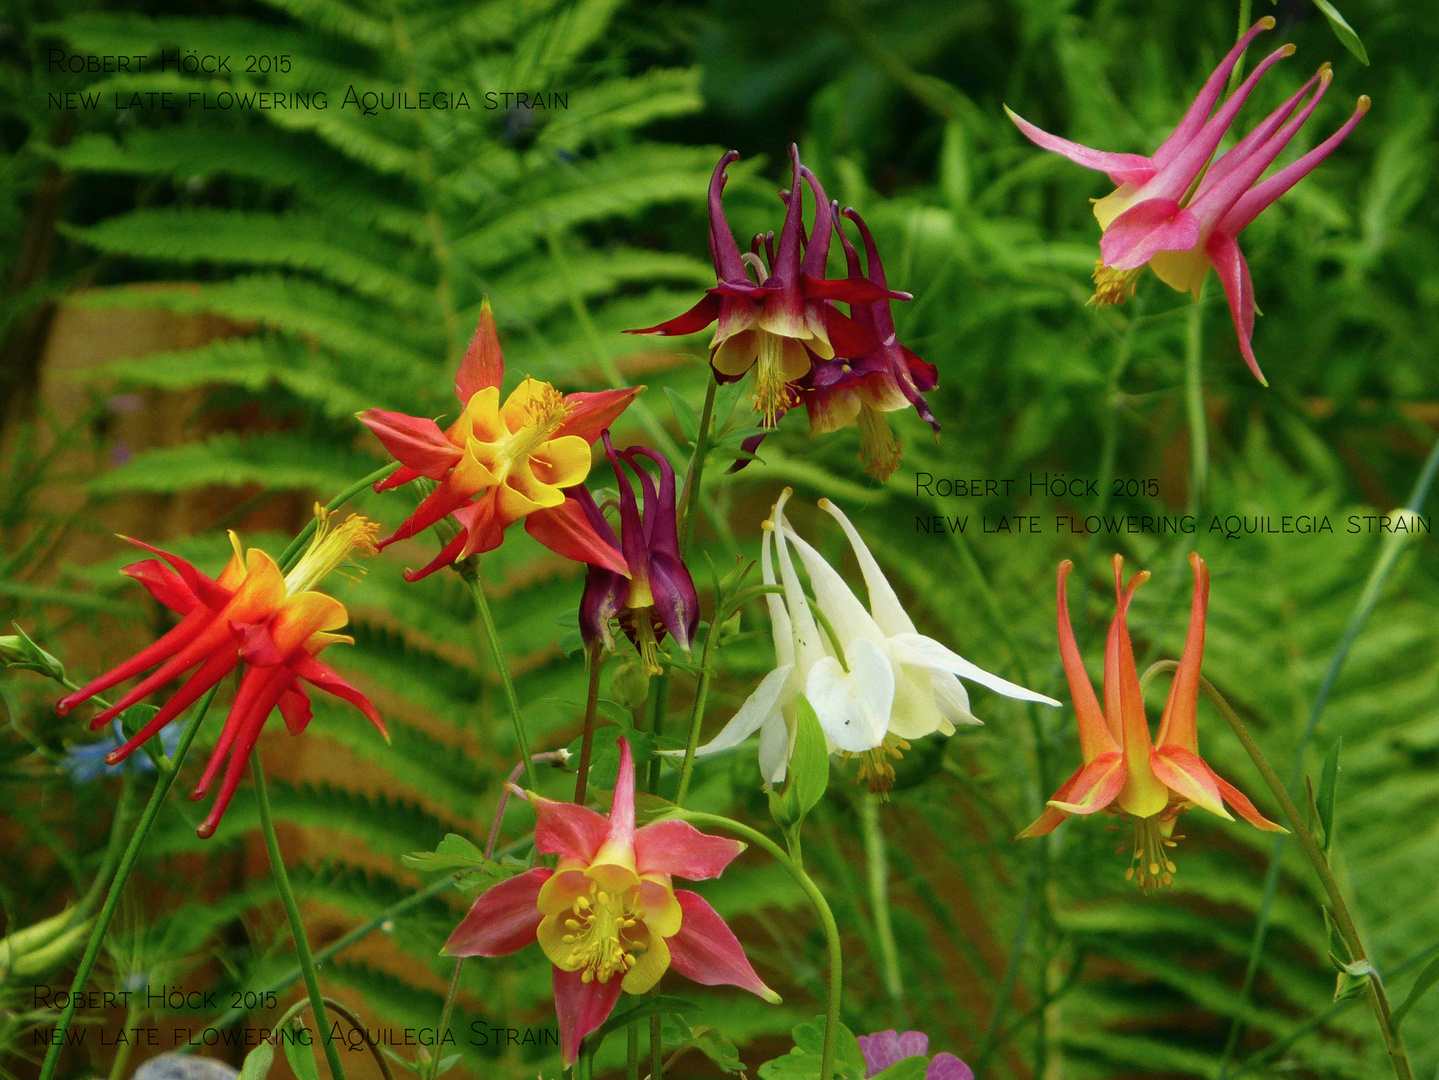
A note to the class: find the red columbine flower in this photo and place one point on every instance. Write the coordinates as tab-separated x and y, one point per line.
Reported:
1123	772
607	916
888	377
1158	216
275	623
779	322
499	463
659	596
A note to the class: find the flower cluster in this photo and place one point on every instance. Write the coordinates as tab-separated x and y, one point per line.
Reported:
774	312
1179	212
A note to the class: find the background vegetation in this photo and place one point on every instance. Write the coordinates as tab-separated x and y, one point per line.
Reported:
200	300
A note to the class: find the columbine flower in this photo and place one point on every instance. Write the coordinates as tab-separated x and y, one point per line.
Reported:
885	1049
876	684
659	596
1158	216
781	320
608	916
1123	772
861	389
499	463
276	623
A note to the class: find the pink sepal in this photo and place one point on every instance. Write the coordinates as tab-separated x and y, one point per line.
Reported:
412	441
503	919
706	951
568	830
678	848
1144	230
581	1008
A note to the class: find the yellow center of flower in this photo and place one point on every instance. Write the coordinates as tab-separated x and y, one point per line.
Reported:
876	770
1149	858
543	413
640	622
772	394
1113	286
330	548
602	935
879	450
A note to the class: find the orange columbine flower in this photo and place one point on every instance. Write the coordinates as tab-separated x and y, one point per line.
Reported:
608	916
275	622
502	462
1123	772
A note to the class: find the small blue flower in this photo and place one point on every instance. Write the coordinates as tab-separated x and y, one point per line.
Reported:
86	763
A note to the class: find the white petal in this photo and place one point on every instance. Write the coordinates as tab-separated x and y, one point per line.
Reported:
853	706
780	626
763	703
809	642
884	605
850	619
952	699
776	747
926	652
915	713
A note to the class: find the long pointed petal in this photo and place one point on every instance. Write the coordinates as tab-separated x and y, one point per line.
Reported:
566	531
164	585
589	413
330	681
503	918
581	1008
1242	806
925	652
622	803
244	745
691	322
723	249
1177	726
678	848
764	701
785	270
884	605
568	830
1268	138
1185	773
211	671
706	951
1095	787
483	365
413	441
1052	818
158	651
1096	736
816	253
436	506
1121	168
1233	272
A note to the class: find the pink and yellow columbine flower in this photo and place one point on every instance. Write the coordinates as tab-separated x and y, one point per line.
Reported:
275	623
781	320
608	916
658	597
887	378
1123	772
501	462
1170	214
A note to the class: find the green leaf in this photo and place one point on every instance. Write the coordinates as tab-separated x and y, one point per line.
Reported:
301	1056
648	1005
809	767
1324	800
453	853
804	1060
685	414
1343	31
709	1041
258	1062
910	1068
1423	983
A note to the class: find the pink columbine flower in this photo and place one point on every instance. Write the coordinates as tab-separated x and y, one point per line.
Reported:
1170	214
780	321
884	1049
607	916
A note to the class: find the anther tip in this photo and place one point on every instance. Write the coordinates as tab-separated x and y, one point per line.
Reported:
1364	103
1267	22
1288	49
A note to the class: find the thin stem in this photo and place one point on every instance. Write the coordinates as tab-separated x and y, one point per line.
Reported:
632	1051
1368	600
657	706
694	475
487	621
697	716
1194	402
292	911
877	864
445	1012
560	755
292	552
595	660
1343	918
1237	75
657	1048
821	907
299	1008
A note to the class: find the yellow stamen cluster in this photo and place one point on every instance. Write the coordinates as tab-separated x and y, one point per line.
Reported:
1149	860
597	933
879	450
876	771
330	548
640	622
1113	286
544	413
772	393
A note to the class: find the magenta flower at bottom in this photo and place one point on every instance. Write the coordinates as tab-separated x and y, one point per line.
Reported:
886	1048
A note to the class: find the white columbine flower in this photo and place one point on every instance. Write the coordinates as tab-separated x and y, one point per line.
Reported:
876	684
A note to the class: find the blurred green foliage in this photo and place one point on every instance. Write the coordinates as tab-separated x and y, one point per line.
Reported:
354	251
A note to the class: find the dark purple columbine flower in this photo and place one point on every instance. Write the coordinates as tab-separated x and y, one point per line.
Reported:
860	389
886	1048
781	320
659	595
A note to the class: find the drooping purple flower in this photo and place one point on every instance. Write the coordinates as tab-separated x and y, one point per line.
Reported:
659	596
886	1048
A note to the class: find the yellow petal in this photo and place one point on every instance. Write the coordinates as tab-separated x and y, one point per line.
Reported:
663	914
737	354
1114	204
562	462
481	419
1183	271
649	966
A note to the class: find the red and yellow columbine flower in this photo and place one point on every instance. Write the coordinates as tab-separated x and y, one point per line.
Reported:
1179	214
781	320
275	623
502	462
888	377
608	916
1123	772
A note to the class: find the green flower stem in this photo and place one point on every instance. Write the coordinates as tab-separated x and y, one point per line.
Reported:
1389	553
471	575
354	1021
445	1012
1237	75
821	907
292	552
1194	402
697	714
117	887
594	660
113	847
297	925
877	864
657	706
657	1048
694	475
1339	907
632	1051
